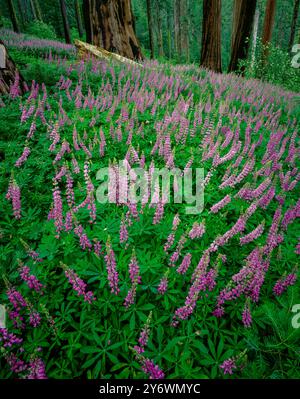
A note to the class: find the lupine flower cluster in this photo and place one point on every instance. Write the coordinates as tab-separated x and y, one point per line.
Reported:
284	283
78	285
14	195
32	282
111	266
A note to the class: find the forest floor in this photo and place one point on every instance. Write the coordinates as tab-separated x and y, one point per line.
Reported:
120	290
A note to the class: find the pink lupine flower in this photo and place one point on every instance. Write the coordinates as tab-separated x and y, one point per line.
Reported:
31	130
155	373
197	230
144	335
97	248
130	297
185	264
171	237
32	282
84	241
14	195
36	370
16	365
163	286
123	231
34	318
228	366
265	200
78	285
247	318
23	157
69	190
16	299
75	165
102	143
170	242
219	205
7	340
158	213
253	235
65	148
290	215
134	270
284	283
57	212
112	273
175	255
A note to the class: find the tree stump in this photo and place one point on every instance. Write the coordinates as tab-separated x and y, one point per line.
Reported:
8	72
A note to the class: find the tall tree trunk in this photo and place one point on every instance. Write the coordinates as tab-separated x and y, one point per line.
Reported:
269	21
159	31
243	29
235	20
38	10
13	16
87	11
177	27
78	18
211	35
21	10
33	9
169	31
294	23
150	28
9	72
255	34
65	21
184	38
109	25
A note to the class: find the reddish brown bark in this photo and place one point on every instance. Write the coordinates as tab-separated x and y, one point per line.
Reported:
268	21
211	35
150	30
109	24
63	9
244	15
8	74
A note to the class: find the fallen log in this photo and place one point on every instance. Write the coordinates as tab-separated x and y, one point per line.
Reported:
8	72
85	49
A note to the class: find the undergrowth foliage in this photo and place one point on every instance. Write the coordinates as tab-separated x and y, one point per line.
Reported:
139	290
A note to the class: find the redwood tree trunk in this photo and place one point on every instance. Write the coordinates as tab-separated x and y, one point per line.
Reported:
109	24
21	11
242	32
294	22
269	21
65	21
38	10
150	28
159	31
235	19
8	74
184	30
211	35
33	9
177	27
78	18
13	16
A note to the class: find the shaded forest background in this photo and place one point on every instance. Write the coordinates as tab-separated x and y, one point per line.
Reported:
164	14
